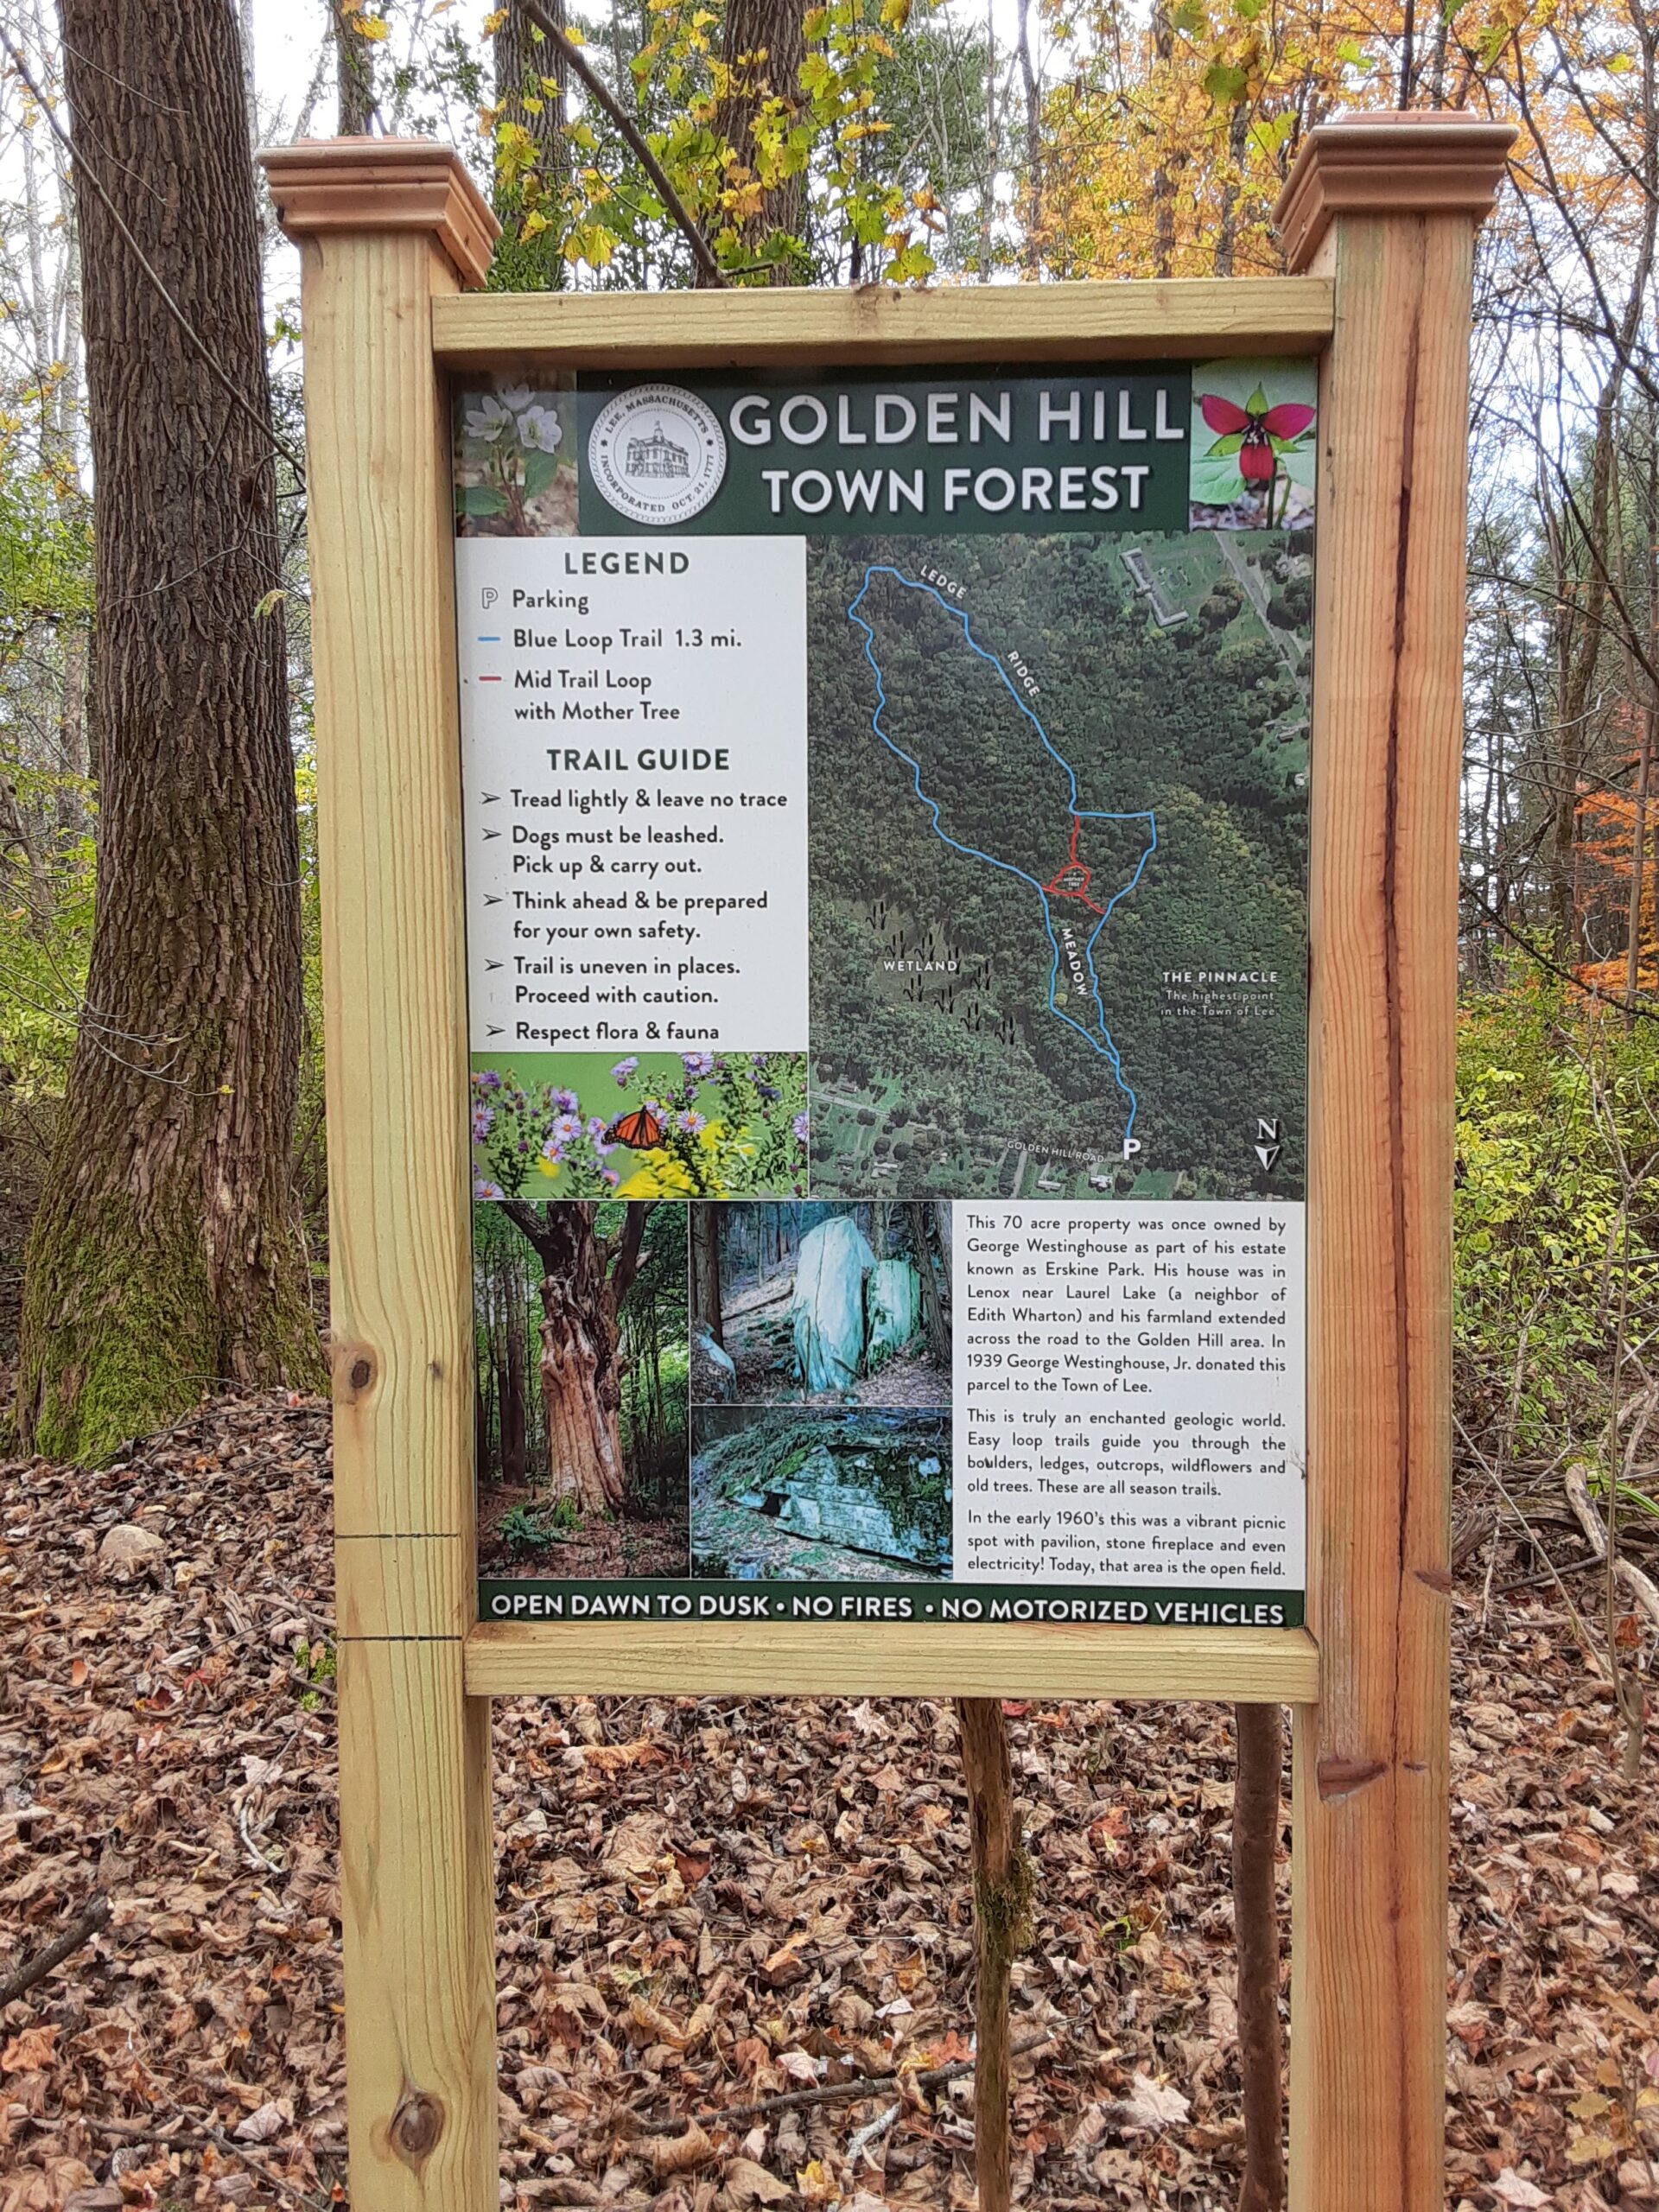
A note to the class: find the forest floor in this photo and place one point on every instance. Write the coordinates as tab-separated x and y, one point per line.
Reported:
756	1336
706	1901
593	1551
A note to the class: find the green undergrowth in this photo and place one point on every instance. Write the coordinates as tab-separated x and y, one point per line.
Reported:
1556	1218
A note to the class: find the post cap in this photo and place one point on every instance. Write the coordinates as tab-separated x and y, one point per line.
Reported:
384	184
1443	162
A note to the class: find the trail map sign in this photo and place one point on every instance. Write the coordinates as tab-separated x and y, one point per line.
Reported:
886	810
927	822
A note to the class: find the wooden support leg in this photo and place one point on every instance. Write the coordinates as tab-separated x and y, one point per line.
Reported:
417	1904
383	226
1390	207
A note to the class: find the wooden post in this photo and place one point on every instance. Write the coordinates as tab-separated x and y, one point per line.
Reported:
383	228
1388	205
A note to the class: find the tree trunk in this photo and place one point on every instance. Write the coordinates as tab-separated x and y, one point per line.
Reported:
1032	254
483	1463
584	1279
764	45
354	71
513	1465
168	1253
1583	590
705	1269
1163	174
524	64
1001	1917
934	1325
1238	142
1256	1933
992	154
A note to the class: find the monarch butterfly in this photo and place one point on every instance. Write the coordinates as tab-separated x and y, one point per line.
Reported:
641	1131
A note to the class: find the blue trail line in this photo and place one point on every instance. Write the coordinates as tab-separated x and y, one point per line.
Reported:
1104	1046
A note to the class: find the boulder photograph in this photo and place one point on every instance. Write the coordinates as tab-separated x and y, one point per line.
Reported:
861	1495
808	1303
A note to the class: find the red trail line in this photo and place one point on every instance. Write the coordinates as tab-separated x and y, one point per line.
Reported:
1061	890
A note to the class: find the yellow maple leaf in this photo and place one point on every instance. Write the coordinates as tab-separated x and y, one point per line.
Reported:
817	2184
1589	2150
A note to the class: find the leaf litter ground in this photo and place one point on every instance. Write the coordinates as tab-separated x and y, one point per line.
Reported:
706	1902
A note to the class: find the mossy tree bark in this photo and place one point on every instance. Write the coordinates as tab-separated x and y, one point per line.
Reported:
168	1255
1002	1922
763	46
535	174
585	1277
1256	1933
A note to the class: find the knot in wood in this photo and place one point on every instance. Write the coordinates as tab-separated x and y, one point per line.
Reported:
415	2127
361	1372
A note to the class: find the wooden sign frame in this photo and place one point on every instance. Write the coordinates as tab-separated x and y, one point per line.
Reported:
1379	219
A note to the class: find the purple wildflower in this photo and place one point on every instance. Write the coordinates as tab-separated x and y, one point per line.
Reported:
691	1122
801	1125
697	1064
623	1070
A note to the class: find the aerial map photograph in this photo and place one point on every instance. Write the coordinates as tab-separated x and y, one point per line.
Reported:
1059	845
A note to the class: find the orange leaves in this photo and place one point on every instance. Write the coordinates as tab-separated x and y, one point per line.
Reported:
785	1964
615	1758
28	2052
662	2025
1106	1835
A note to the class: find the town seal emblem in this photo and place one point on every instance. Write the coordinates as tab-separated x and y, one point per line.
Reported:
656	454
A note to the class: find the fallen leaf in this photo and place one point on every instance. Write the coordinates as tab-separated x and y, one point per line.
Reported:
1591	2150
1154	2104
1511	2189
261	2125
615	1758
28	2051
656	2022
785	1965
678	2154
749	2184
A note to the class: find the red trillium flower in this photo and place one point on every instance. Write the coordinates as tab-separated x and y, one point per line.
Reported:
1256	432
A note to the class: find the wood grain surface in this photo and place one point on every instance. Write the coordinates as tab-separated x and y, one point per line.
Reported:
418	1894
1369	1814
841	1659
1174	318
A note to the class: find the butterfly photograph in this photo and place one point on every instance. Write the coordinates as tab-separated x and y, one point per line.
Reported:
641	1130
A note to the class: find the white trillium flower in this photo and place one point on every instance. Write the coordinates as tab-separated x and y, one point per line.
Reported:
487	418
517	397
539	428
